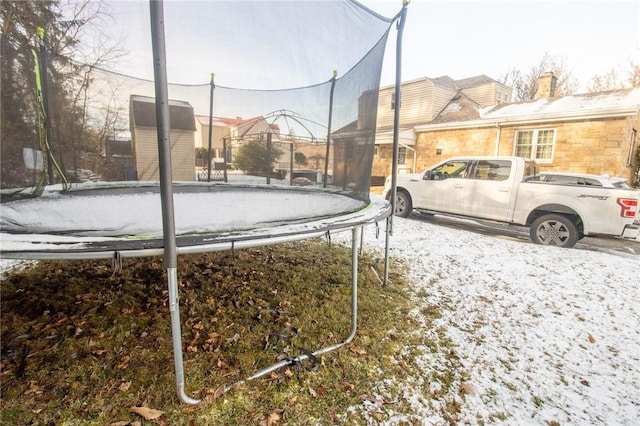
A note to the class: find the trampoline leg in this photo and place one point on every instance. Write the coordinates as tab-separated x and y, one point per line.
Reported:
348	339
176	335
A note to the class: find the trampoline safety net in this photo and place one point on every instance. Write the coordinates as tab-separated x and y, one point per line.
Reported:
277	93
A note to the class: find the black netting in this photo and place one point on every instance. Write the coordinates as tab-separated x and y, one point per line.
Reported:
270	99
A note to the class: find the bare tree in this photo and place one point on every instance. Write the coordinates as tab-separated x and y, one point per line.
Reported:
616	78
608	81
633	76
525	84
76	44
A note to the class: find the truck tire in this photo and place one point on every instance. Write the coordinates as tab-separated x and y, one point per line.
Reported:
403	204
554	230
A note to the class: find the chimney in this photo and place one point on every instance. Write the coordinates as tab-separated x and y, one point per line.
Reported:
546	86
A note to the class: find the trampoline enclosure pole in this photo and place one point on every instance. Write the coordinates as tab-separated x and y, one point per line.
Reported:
326	155
44	76
224	157
166	188
396	125
213	86
268	165
291	149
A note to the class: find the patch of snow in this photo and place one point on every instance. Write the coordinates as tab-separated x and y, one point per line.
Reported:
140	213
542	334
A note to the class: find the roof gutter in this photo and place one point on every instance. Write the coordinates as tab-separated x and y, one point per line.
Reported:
525	120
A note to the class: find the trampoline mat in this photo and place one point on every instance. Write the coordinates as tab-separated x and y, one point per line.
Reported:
103	218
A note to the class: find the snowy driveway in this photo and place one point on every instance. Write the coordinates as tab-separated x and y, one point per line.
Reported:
543	334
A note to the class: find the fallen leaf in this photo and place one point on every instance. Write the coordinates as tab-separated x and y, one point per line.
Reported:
321	390
123	423
218	392
357	350
234	339
146	412
273	419
468	389
34	389
591	339
124	386
212	338
124	362
312	392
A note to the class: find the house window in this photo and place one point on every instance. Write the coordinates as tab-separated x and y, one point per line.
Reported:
402	155
536	144
393	101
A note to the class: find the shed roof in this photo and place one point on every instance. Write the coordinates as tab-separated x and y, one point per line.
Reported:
143	113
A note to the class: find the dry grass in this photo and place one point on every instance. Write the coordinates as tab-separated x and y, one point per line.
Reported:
81	345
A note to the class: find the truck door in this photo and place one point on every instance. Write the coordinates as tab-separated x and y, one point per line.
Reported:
444	190
490	189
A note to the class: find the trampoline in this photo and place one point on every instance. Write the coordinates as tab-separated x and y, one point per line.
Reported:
118	220
165	209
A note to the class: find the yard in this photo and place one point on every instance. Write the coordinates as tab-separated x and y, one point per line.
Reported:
471	330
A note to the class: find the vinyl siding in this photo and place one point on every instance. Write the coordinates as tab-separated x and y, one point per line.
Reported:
182	154
421	101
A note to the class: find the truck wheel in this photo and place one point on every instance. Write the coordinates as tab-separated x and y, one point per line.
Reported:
403	204
554	230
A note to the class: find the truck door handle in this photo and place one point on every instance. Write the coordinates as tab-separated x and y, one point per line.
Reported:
458	186
503	189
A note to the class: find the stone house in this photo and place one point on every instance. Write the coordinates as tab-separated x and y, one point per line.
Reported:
587	133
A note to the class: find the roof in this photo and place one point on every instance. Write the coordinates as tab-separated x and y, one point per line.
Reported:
447	82
615	100
226	121
615	103
479	80
460	108
143	113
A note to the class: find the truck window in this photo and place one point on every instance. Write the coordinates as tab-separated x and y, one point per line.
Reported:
530	170
570	180
492	170
450	169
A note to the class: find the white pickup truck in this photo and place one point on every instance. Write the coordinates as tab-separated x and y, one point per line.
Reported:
558	211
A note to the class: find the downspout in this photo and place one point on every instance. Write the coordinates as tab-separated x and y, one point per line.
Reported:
498	134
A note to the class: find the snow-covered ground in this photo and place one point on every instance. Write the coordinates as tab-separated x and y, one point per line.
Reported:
542	334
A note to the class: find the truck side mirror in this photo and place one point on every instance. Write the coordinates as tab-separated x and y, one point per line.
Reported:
427	175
